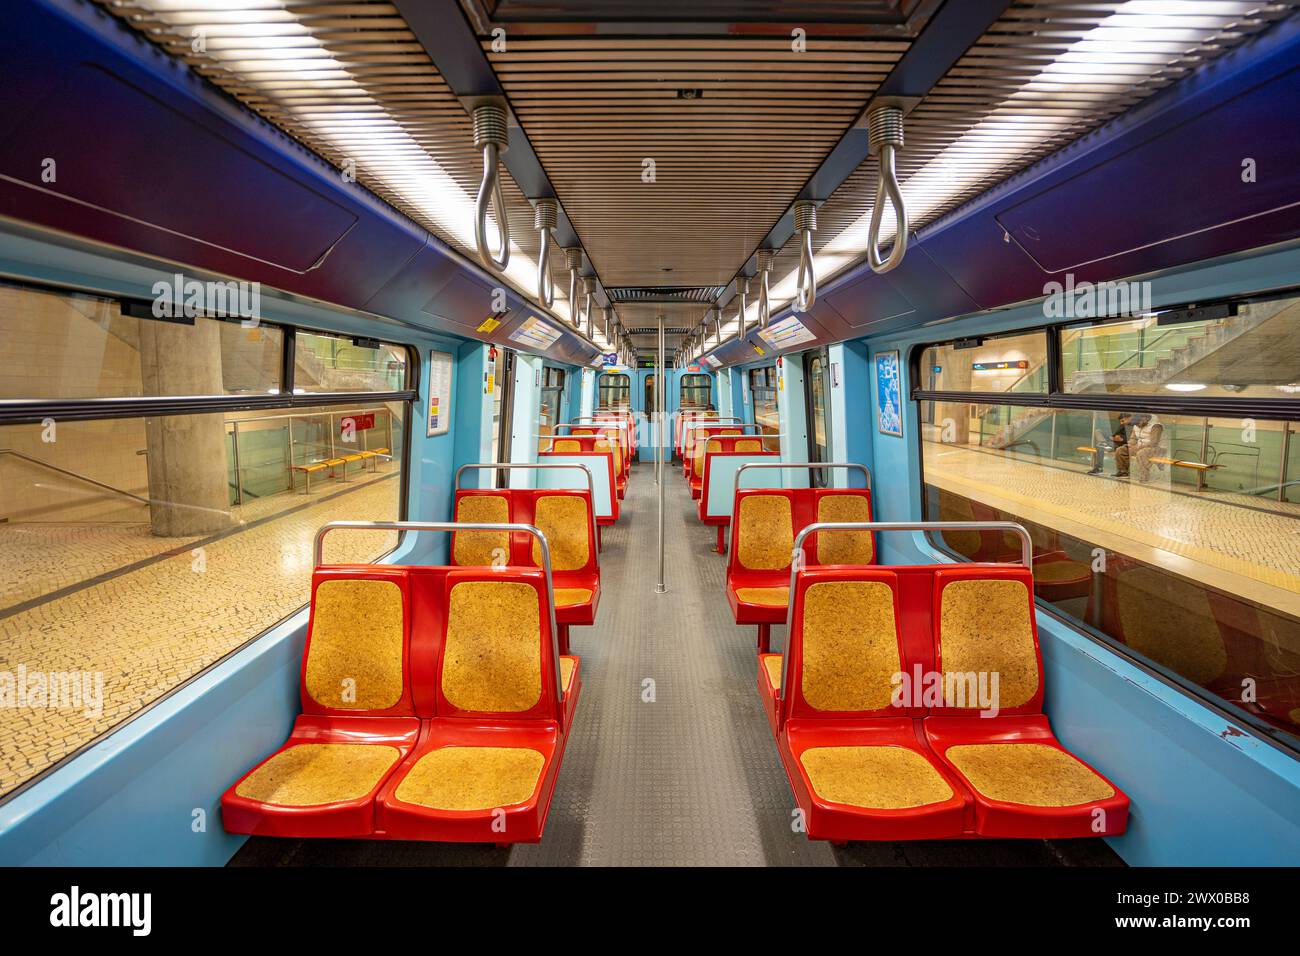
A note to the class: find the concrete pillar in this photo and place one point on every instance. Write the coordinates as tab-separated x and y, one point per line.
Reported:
188	480
957	375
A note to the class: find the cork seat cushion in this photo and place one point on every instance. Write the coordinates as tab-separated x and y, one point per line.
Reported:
568	444
563	519
844	547
985	627
772	664
765	532
1035	775
850	646
309	775
749	445
567	665
482	549
492	660
354	660
876	778
769	597
472	778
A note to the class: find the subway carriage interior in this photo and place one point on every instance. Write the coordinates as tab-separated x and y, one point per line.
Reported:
494	432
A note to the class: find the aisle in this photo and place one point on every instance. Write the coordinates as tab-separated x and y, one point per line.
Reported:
690	777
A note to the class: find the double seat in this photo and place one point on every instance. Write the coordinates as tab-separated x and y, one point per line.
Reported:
565	517
731	442
435	706
763	530
695	438
892	725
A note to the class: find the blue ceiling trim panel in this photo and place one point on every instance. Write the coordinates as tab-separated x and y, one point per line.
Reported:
216	187
151	158
1131	198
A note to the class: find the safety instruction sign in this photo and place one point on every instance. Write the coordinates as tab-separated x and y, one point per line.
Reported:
535	334
786	333
490	324
440	385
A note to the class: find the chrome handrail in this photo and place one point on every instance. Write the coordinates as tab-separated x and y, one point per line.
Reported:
796	557
808	465
453	526
494	466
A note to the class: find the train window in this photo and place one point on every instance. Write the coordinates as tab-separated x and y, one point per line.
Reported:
696	391
651	394
615	391
1163	535
141	548
552	398
336	363
763	388
1004	363
1232	355
69	346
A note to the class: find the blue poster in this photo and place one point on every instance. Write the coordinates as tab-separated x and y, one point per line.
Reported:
889	401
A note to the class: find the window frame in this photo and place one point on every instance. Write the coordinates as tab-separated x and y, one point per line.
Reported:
1186	403
1286	410
35	411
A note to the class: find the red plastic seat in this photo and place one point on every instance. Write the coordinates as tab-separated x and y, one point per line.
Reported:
746	445
764	526
564	516
358	719
407	663
611	479
486	763
879	744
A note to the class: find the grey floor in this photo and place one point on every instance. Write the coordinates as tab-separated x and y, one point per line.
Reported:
690	778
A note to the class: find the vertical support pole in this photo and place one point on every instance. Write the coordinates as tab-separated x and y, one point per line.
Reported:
660	588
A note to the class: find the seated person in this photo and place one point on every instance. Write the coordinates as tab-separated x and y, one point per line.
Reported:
1144	435
1117	440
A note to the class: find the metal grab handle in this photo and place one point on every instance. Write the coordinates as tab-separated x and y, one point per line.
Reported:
493	466
467	526
764	261
807	465
1026	557
545	217
886	129
805	223
491	136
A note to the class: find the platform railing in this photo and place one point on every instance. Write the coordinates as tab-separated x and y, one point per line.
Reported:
797	559
454	526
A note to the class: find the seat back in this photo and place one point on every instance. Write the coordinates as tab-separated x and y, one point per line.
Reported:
717	487
567	520
601	466
698	440
565	516
845	652
984	630
495	651
759	528
357	656
838	505
763	530
481	548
